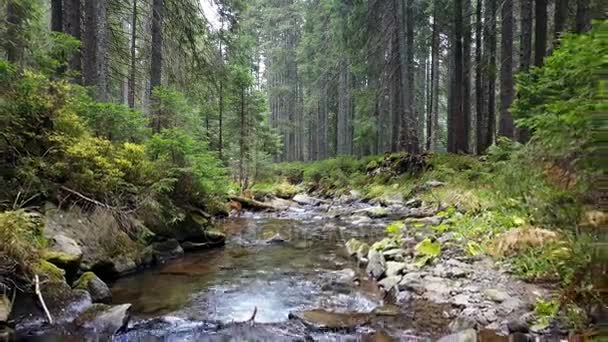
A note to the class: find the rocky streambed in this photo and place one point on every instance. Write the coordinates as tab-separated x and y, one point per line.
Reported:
312	270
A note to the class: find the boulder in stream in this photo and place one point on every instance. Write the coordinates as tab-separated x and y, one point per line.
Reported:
64	252
99	291
304	199
376	266
105	319
167	250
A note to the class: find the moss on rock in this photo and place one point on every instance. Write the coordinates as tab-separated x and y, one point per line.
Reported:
50	271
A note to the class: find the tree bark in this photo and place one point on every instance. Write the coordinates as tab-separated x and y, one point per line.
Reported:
14	44
466	75
540	32
506	127
157	44
560	18
582	22
72	26
490	65
525	57
458	121
133	65
479	91
90	65
102	50
56	15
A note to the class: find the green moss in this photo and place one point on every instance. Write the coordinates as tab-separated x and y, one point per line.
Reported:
60	259
50	271
83	282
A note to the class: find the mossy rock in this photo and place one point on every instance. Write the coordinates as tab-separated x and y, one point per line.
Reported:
53	273
99	291
68	262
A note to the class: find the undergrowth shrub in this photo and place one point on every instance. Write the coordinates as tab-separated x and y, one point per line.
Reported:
21	240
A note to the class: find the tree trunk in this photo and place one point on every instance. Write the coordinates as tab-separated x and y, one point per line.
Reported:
344	109
133	66
73	28
466	75
540	32
14	45
242	140
57	15
479	98
156	61
525	58
582	22
506	127
560	18
458	121
90	43
157	44
490	65
102	50
435	81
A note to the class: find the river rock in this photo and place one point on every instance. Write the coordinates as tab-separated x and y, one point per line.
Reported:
352	246
397	254
376	265
373	212
105	319
167	250
462	323
469	335
280	203
324	320
304	199
276	239
64	252
389	282
99	291
496	295
412	281
346	275
362	252
114	267
394	268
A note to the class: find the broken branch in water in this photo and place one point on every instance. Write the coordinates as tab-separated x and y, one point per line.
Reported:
39	293
252	319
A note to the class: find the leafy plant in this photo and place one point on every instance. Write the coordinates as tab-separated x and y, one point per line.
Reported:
427	250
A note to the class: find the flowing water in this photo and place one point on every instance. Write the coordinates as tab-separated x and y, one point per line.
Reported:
211	294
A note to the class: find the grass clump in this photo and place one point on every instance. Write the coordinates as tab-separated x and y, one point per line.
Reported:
21	242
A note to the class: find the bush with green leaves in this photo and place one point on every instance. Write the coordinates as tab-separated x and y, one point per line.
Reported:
54	135
558	101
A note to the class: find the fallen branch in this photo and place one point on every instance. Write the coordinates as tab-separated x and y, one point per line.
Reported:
88	199
39	293
252	319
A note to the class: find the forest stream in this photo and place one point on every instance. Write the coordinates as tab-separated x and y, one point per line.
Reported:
274	266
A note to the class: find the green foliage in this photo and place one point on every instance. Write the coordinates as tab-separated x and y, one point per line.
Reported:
427	250
545	311
557	102
21	240
395	228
